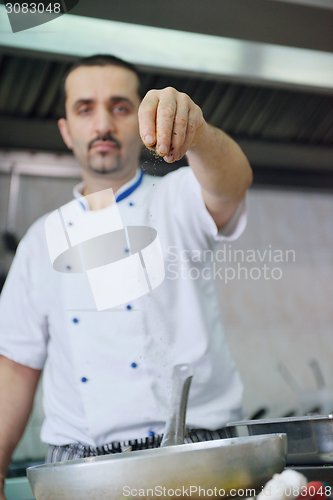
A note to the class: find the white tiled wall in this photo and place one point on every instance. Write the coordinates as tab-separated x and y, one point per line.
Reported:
268	322
288	320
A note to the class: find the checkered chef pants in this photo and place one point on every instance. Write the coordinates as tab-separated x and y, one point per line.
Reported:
78	450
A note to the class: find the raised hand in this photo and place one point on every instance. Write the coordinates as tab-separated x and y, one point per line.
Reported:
170	123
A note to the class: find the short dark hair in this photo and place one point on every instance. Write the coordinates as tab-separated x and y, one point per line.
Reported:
98	60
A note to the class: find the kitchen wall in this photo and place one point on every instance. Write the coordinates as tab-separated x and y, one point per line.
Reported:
277	315
287	320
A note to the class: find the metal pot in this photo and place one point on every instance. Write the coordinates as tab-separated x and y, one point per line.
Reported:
220	465
310	438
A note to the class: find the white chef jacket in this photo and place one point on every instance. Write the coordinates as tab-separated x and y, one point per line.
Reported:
107	374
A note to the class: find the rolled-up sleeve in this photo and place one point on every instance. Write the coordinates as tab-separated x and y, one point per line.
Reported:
192	199
236	225
23	322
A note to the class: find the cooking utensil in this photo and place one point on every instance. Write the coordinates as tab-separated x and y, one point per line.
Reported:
310	439
175	429
310	401
223	464
318	374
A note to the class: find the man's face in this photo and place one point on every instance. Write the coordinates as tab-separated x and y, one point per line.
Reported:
101	125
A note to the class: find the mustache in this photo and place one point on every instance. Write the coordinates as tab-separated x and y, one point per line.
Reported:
105	137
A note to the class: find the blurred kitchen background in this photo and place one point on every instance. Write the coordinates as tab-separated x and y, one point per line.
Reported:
262	70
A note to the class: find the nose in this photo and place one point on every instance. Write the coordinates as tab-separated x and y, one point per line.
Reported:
104	121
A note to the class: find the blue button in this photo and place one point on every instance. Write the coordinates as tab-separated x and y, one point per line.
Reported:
151	433
84	379
134	365
70	223
126	250
68	267
75	320
128	307
131	204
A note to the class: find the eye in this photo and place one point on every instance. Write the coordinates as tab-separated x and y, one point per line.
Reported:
84	110
121	109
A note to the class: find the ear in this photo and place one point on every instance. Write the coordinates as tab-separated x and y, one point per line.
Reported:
64	131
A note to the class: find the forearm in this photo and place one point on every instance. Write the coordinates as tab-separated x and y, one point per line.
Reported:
17	388
220	165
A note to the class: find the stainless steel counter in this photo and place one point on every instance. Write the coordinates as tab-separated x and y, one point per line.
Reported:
17	488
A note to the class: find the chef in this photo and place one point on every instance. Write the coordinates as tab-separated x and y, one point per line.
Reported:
107	370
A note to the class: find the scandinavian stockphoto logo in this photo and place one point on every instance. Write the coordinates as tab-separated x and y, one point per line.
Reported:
24	15
121	262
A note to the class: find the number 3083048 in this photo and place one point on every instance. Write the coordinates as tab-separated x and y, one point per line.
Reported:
32	8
